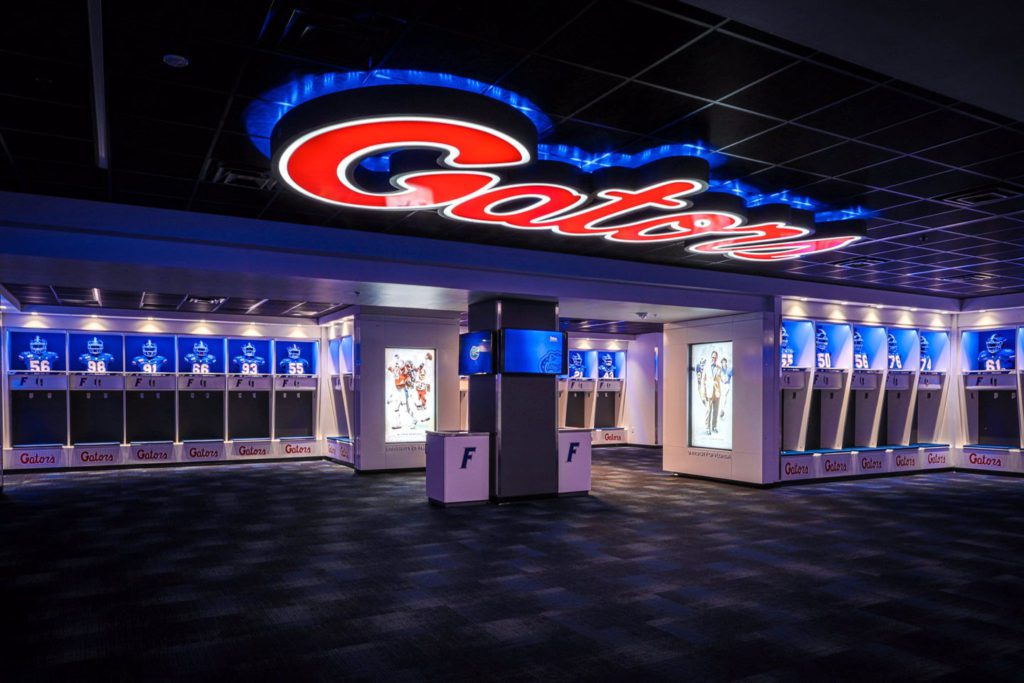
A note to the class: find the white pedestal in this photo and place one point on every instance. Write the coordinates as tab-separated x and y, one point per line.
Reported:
95	455
152	453
574	450
458	467
203	451
342	449
990	459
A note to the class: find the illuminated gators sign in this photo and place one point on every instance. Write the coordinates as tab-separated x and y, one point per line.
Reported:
474	160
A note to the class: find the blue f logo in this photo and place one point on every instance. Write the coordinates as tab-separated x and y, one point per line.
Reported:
467	455
573	446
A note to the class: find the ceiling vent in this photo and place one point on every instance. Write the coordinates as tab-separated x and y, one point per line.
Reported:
979	196
249	178
207	301
860	262
973	277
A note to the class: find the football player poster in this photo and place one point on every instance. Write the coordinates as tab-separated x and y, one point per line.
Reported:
711	419
409	411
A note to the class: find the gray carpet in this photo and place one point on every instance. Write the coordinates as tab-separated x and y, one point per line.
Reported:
308	571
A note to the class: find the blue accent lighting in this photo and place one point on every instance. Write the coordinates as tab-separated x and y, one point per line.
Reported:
264	113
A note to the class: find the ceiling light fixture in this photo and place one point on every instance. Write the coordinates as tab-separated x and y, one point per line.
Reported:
176	61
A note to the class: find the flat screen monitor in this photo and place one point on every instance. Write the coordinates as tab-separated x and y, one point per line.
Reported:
476	355
534	352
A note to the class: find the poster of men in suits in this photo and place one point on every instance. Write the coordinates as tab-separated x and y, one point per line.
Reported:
711	420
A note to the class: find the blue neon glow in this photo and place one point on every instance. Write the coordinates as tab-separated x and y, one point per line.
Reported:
264	113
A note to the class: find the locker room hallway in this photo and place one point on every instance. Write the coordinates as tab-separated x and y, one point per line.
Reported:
307	570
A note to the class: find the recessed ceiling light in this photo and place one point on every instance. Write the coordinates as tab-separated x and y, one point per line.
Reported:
176	61
803	298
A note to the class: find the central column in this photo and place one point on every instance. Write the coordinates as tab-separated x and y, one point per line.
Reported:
520	411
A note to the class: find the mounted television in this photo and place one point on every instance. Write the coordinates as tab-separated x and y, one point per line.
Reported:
476	353
534	352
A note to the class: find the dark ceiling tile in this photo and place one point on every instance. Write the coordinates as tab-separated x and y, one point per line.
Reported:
717	126
268	70
125	157
843	158
589	40
767	39
82	175
46	118
430	49
947	218
977	148
139	53
778	178
717	65
1006	207
1014	235
528	25
836	192
892	230
153	200
1003	168
51	29
50	148
589	137
994	251
233	148
731	168
156	185
936	128
881	199
228	194
867	112
941	184
987	226
907	212
165	102
639	108
71	189
797	90
162	136
893	172
984	114
782	144
225	21
556	87
45	79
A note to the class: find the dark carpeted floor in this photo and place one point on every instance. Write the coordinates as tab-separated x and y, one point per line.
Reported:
307	571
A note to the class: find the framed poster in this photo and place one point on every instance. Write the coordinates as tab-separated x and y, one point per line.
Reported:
410	408
711	419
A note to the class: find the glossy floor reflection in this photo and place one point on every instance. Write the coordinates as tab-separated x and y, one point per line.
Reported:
306	570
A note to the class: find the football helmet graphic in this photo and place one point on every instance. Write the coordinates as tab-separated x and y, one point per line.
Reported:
821	339
783	337
248	350
994	343
894	348
149	349
37	344
294	352
94	346
858	342
200	349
